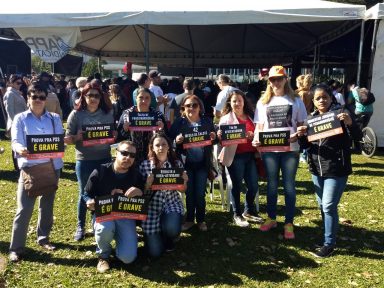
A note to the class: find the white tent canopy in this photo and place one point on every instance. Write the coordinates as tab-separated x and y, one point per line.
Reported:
203	33
377	85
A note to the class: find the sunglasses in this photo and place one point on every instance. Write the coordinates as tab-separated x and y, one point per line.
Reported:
90	95
127	154
276	79
192	105
41	98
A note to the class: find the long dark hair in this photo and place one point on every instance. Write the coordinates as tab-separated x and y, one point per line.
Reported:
172	157
102	104
247	106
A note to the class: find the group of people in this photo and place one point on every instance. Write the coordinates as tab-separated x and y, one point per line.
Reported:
138	152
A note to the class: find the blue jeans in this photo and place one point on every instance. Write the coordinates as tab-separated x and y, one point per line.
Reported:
84	168
124	233
328	193
195	194
170	230
287	162
244	167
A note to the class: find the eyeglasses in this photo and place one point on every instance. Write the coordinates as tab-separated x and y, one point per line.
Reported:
90	95
279	79
192	105
127	154
41	98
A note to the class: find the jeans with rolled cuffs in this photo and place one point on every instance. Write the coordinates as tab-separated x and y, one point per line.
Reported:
124	233
244	167
170	229
328	194
195	193
84	168
287	162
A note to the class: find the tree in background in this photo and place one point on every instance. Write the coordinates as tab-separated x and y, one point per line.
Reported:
39	65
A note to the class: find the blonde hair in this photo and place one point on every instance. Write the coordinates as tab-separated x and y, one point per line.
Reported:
114	91
81	82
268	94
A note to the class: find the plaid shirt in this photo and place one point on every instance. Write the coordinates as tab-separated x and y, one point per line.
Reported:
163	201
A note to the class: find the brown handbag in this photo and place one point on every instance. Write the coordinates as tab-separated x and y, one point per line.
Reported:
40	179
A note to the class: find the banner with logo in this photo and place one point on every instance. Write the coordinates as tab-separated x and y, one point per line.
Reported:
50	43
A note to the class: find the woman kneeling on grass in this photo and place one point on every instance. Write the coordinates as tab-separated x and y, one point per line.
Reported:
165	211
329	162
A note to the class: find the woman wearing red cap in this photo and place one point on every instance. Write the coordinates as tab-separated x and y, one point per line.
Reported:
280	110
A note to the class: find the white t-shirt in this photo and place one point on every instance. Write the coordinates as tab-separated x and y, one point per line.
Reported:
339	98
222	97
281	114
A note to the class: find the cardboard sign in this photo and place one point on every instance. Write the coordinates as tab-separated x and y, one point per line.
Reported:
45	146
196	137
114	207
233	134
274	141
97	134
142	121
324	125
168	179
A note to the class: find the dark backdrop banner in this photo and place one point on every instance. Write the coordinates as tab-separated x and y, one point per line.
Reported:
15	57
69	65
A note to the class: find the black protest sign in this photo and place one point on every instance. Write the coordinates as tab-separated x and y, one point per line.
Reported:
114	207
197	136
97	134
279	116
142	121
45	146
274	141
103	208
233	134
168	179
324	125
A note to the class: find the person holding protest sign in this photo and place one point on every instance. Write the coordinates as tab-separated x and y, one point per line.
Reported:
165	210
278	113
193	133
123	178
36	121
90	127
138	123
329	159
239	157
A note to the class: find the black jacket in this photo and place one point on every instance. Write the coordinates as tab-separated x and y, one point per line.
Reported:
331	156
103	180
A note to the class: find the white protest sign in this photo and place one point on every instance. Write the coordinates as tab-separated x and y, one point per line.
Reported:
50	43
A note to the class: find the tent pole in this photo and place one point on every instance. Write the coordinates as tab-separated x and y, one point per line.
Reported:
99	64
146	48
314	62
360	53
373	51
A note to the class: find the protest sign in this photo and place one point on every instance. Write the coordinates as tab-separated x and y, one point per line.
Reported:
196	136
274	141
324	125
233	134
97	134
45	146
142	121
168	179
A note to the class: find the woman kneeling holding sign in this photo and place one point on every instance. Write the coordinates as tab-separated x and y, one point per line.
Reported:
329	157
164	175
109	192
238	154
36	134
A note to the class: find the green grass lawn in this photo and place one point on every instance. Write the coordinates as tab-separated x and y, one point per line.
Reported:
226	255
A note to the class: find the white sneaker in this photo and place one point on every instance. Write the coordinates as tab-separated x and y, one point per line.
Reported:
240	221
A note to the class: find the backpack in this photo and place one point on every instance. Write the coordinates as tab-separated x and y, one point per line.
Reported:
366	98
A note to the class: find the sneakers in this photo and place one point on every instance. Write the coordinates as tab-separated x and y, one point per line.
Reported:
102	265
14	257
288	231
240	221
47	246
187	225
79	234
268	225
324	252
252	217
202	226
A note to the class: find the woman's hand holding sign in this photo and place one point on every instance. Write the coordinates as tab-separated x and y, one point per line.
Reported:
132	192
345	118
91	204
22	151
301	131
179	139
